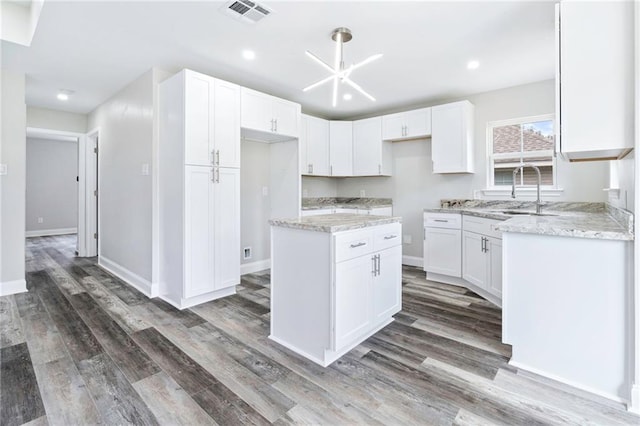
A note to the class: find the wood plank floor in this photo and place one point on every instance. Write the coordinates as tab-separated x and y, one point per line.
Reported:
82	347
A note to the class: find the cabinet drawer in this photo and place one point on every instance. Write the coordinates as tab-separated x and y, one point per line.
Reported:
443	220
481	225
387	236
353	244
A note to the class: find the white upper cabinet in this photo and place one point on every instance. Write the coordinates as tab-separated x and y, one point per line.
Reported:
595	79
407	125
212	121
267	118
226	127
340	148
452	137
371	155
314	146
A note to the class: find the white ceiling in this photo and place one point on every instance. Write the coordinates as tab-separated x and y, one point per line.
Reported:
96	48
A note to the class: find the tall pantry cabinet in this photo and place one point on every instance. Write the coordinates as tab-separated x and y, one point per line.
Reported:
199	188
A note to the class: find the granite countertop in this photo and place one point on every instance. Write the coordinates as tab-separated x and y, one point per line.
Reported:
334	222
580	220
345	203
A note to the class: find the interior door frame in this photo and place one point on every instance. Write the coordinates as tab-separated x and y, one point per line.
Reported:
89	207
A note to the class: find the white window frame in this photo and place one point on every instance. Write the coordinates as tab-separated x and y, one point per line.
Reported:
491	188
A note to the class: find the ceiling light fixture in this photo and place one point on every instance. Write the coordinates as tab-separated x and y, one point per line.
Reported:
63	94
338	72
249	55
472	65
347	96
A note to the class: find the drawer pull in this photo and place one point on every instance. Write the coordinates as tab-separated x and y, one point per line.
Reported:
441	220
390	237
358	245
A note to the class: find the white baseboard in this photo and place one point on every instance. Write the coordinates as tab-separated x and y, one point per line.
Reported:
131	278
571	383
412	261
634	406
50	232
13	287
250	268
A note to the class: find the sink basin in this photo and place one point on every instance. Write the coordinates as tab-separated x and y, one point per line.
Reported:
523	213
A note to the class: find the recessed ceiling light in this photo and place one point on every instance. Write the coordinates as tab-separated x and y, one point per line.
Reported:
63	94
249	55
347	96
472	65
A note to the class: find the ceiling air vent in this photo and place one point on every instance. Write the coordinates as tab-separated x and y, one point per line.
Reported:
246	10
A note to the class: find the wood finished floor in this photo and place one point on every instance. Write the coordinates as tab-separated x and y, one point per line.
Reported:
82	347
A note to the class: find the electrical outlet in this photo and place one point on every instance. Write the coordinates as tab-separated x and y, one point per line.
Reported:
362	193
265	191
40	220
305	193
247	253
406	239
145	169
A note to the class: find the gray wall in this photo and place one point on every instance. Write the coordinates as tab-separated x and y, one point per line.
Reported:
414	187
254	206
43	118
12	185
51	187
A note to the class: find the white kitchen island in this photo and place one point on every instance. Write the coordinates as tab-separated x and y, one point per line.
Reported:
335	280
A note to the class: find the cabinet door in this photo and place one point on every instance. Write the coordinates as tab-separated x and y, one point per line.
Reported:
199	122
387	284
418	123
443	251
199	231
317	147
474	260
367	147
226	138
494	278
341	148
393	126
226	192
287	117
255	110
451	138
352	299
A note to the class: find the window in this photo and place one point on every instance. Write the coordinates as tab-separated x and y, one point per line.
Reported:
522	140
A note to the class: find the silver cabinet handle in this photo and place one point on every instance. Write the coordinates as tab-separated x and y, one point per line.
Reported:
213	175
360	244
379	169
390	237
441	220
217	157
331	170
276	120
216	172
378	262
212	158
272	125
373	266
310	168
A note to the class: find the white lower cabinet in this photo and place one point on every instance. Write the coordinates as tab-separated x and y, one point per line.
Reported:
352	288
464	250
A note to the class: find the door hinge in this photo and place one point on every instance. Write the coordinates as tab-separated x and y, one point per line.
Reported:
95	150
95	193
95	235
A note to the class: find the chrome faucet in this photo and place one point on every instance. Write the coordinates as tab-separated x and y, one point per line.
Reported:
513	183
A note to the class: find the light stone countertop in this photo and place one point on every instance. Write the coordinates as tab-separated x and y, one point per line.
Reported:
334	222
360	203
580	220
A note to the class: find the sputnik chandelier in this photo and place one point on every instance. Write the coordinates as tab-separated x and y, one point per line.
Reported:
338	72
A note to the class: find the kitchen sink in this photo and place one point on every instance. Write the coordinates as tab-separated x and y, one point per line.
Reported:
523	213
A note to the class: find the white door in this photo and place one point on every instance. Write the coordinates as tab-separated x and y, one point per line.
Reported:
442	251
198	232
352	299
341	148
494	284
226	190
367	147
387	284
286	115
255	110
317	147
474	261
198	110
226	124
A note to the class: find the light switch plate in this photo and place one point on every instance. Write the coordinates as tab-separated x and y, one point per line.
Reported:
145	169
406	239
3	169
